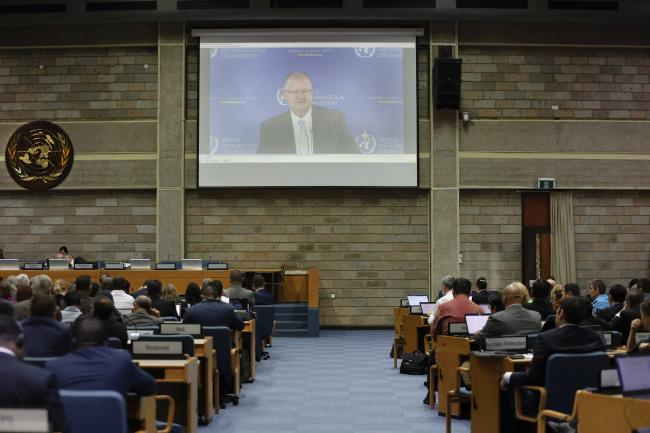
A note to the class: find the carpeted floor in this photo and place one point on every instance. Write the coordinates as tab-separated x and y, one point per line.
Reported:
341	382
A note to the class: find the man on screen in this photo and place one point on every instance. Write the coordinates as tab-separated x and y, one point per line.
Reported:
305	129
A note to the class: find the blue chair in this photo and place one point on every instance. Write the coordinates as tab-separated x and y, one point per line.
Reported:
94	411
264	319
565	374
227	361
114	343
187	340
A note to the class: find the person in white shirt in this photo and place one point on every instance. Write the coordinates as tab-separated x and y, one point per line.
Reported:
120	292
73	307
447	295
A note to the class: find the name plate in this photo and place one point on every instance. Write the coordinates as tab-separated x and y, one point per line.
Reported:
83	266
33	266
641	337
134	334
457	328
217	266
109	265
177	328
166	266
24	420
157	348
506	343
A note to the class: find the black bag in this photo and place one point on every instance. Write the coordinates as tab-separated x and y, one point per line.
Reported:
414	363
400	349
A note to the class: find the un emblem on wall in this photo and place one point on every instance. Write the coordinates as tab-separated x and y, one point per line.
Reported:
39	155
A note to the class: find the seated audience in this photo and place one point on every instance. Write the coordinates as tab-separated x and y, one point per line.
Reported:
165	307
6	291
616	299
44	335
481	293
496	302
541	290
262	295
589	321
24	385
598	295
515	319
120	292
456	309
73	309
571	289
192	294
212	311
169	293
556	294
644	285
237	292
640	325
143	313
41	284
104	310
82	285
446	294
622	321
567	337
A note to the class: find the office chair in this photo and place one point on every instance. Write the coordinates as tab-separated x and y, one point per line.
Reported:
264	319
227	362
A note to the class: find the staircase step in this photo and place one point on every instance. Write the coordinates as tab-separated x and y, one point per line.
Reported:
291	333
290	309
292	317
288	324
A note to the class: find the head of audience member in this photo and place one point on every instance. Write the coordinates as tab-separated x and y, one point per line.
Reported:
571	289
634	298
11	335
551	281
632	283
258	282
644	284
23	293
462	287
106	283
556	294
298	92
571	311
154	289
102	276
41	284
617	294
82	284
212	290
597	288
193	293
169	293
94	289
644	308
89	332
6	291
541	290
120	283
22	280
61	287
72	299
142	303
496	303
481	284
43	306
102	308
587	307
514	293
62	253
107	294
236	278
447	284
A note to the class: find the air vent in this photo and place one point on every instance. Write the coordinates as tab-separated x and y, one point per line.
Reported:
32	9
121	6
302	4
492	4
584	5
399	4
212	4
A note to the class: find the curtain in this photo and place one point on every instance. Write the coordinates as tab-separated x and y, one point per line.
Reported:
563	246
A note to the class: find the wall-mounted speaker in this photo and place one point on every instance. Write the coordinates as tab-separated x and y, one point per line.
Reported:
446	85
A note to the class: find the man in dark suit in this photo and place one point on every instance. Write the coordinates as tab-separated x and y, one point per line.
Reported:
94	366
104	310
514	319
622	321
262	296
44	335
617	294
541	290
24	385
304	129
567	337
212	311
481	295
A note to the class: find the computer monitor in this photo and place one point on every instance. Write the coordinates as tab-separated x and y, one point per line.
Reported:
475	322
429	308
59	263
417	299
634	375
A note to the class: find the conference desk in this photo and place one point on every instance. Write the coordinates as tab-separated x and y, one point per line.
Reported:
599	413
144	410
450	353
178	378
249	333
204	350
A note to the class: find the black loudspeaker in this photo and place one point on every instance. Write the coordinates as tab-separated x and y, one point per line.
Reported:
447	83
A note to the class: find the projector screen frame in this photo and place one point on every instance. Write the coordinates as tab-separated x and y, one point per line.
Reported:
419	30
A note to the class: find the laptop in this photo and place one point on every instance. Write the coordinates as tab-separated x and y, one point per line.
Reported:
416	309
634	375
192	264
140	264
59	263
457	329
428	308
475	322
609	382
417	299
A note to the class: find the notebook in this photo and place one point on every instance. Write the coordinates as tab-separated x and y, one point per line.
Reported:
634	375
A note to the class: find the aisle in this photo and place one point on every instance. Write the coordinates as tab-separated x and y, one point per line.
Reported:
341	382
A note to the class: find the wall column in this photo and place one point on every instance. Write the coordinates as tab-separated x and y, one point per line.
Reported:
170	198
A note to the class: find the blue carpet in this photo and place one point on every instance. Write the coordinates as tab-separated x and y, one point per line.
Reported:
341	382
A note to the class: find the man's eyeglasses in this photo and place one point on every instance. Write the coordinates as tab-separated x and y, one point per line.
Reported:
295	93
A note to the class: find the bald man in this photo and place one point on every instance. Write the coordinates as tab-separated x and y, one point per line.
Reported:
514	319
304	129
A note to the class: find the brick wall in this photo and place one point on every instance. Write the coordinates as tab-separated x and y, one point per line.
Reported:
586	83
490	236
94	225
612	233
88	83
370	245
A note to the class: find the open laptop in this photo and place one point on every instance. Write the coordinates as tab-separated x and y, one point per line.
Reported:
428	308
192	264
634	375
457	329
609	382
475	322
417	299
59	263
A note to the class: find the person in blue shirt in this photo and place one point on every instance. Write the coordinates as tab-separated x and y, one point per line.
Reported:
598	295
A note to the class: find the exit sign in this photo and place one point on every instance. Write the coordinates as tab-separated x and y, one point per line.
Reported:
546	183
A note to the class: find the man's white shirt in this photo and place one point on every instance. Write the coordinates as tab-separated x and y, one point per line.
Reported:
122	300
309	148
449	296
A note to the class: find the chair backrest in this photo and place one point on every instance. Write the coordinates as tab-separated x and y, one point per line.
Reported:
94	411
222	343
187	340
264	318
241	301
114	342
567	373
37	361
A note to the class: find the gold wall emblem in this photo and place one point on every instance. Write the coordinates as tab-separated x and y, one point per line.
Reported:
39	155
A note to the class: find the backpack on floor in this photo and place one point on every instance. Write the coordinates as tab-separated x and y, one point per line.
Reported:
414	363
